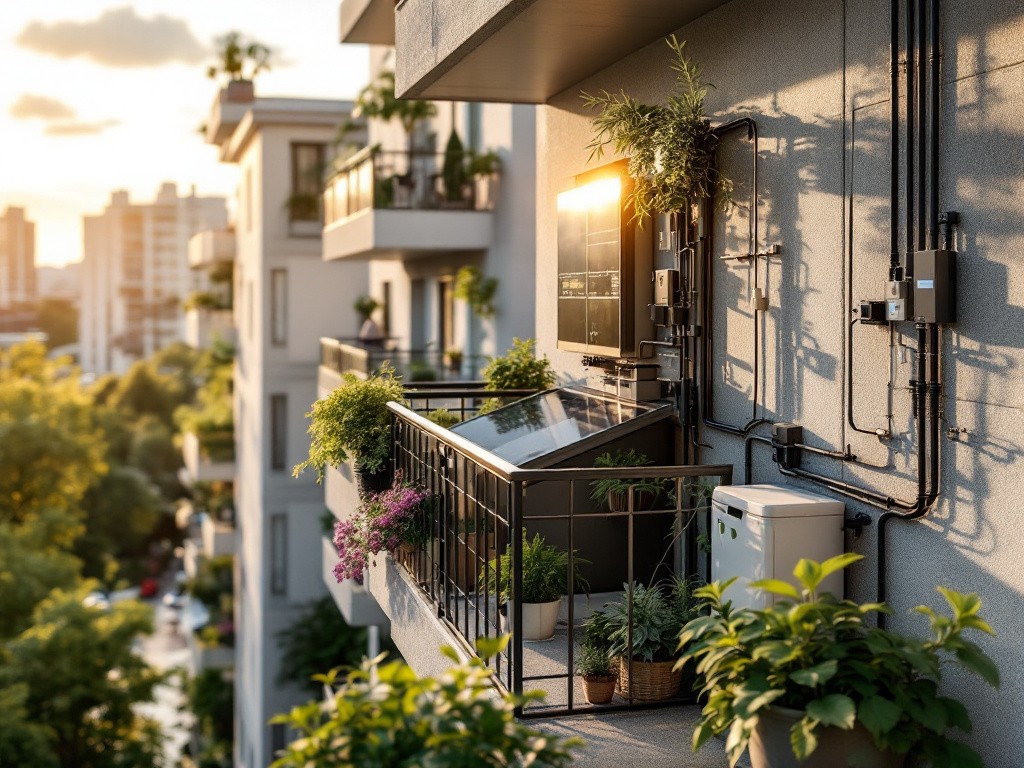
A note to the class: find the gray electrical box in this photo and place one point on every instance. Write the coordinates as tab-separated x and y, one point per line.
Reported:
666	286
935	286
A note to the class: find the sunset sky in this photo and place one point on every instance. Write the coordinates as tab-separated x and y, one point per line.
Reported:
98	95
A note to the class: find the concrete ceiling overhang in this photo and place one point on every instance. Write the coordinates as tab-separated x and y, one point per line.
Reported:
524	50
367	21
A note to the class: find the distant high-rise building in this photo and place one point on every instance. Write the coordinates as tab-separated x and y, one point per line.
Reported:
17	258
135	275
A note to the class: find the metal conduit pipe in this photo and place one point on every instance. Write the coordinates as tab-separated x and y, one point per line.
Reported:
706	397
894	141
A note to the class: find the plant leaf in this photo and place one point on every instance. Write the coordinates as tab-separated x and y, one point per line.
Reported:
834	709
878	715
839	562
808	573
816	675
802	738
776	587
976	660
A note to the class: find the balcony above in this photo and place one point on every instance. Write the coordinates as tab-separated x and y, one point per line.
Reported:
368	21
204	326
209	457
523	50
210	248
399	205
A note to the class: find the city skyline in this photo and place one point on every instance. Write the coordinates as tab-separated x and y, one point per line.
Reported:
100	85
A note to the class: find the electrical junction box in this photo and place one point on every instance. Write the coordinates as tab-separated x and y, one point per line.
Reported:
935	286
897	301
666	286
763	531
871	312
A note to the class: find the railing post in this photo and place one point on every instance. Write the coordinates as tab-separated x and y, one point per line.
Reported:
516	608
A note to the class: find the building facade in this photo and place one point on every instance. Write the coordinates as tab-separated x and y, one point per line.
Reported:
17	259
817	86
285	298
135	275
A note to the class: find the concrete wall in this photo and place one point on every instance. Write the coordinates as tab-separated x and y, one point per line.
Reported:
815	78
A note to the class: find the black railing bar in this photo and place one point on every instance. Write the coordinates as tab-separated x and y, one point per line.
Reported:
629	606
516	534
667	472
570	639
539	712
530	678
620	513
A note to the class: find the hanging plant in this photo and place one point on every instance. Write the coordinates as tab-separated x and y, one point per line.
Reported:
671	148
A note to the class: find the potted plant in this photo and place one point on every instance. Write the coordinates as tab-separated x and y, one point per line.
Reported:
616	490
518	368
594	666
354	421
454	175
808	682
485	169
303	206
545	582
645	647
389	520
671	148
472	287
453	359
241	61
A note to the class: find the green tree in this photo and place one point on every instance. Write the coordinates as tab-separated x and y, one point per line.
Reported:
58	319
84	681
23	742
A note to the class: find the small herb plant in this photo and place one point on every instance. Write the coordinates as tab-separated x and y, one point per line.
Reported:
593	661
353	420
387	715
382	521
671	148
365	306
238	58
629	457
815	653
443	418
518	368
545	572
659	613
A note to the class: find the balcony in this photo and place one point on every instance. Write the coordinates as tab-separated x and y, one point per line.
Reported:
209	457
512	51
426	367
367	21
396	205
204	326
486	505
218	537
210	248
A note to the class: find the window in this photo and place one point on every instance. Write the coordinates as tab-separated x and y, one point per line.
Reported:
386	309
278	307
307	172
278	432
278	553
277	737
445	313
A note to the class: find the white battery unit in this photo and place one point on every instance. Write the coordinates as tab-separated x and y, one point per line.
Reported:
762	532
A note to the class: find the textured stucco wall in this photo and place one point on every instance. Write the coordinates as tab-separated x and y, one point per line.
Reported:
815	78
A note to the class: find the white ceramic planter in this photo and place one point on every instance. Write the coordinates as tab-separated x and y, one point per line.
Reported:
539	620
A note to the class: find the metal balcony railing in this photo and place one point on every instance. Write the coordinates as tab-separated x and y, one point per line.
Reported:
485	505
374	178
416	366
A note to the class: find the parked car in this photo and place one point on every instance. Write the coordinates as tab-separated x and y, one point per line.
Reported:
149	587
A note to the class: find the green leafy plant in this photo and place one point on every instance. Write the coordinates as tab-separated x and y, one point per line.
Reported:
593	659
378	101
303	206
815	653
545	572
518	368
443	418
476	290
353	419
365	306
630	457
483	163
238	58
385	715
453	171
205	300
659	613
671	148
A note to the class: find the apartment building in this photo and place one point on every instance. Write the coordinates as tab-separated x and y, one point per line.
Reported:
285	298
135	275
417	212
17	258
818	111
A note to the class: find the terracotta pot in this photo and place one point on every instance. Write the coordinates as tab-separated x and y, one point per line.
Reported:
649	681
837	748
599	689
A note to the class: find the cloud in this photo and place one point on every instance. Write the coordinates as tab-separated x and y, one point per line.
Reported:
30	105
77	128
117	38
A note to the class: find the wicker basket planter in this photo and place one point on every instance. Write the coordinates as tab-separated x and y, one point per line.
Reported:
650	681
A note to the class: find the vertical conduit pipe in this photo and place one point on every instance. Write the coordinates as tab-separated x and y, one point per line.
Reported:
894	145
911	63
922	120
